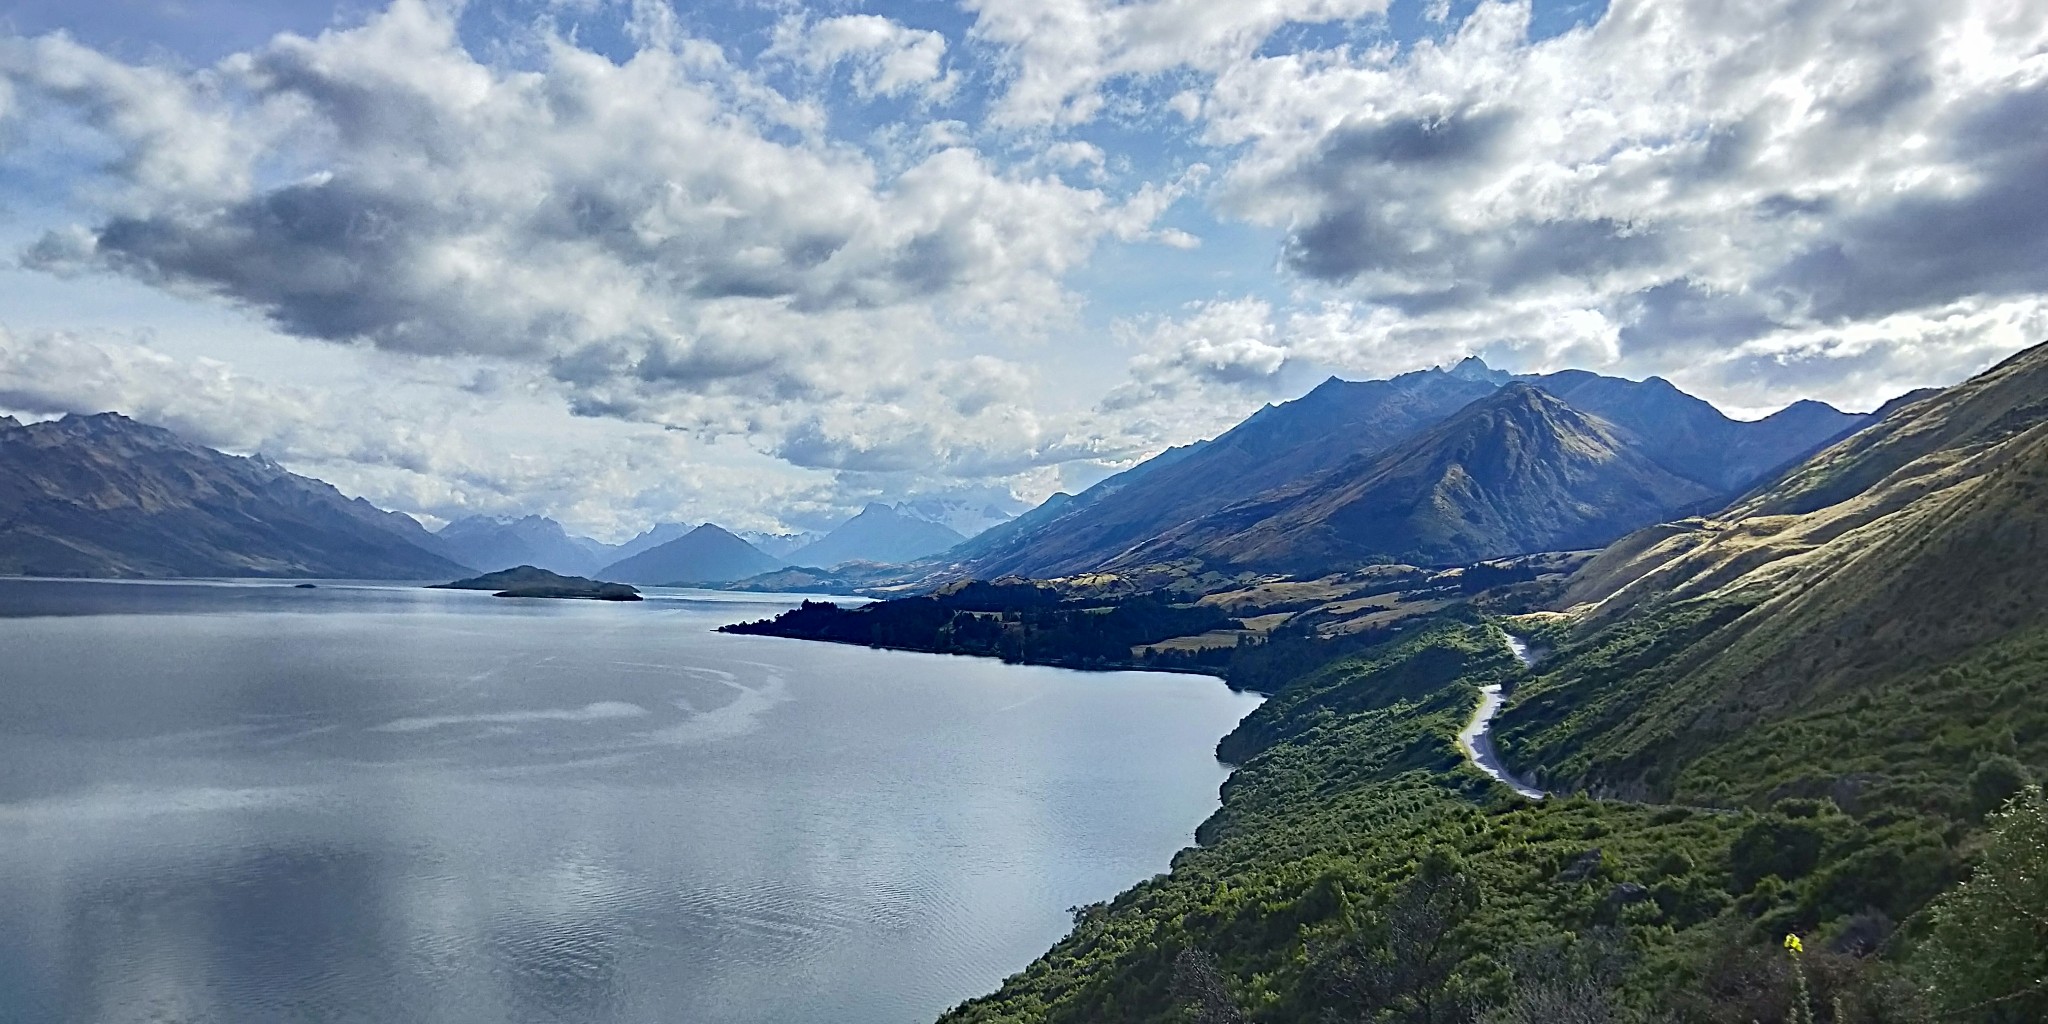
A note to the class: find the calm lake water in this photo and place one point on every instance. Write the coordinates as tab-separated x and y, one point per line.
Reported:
248	802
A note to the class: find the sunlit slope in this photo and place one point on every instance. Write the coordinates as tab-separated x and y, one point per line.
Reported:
1915	544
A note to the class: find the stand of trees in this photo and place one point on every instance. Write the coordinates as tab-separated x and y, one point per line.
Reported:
1016	624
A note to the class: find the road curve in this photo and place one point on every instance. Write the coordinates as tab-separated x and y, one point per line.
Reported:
1476	739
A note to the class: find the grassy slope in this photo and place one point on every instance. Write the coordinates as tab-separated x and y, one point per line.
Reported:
1764	618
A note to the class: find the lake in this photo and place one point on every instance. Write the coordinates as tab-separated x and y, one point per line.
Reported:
228	802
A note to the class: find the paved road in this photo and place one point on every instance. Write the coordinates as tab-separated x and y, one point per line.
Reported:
1476	739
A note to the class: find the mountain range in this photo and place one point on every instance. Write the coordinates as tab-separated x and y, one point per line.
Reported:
1516	471
1357	472
504	541
1791	746
1432	467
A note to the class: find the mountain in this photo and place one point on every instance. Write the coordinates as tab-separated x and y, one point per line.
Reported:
503	541
1342	421
104	495
706	554
1516	471
998	538
967	518
1693	439
880	533
1275	446
779	544
655	536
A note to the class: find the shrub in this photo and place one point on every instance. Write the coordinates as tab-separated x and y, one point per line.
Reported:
1988	949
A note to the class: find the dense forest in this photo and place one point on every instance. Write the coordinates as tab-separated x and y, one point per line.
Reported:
1018	624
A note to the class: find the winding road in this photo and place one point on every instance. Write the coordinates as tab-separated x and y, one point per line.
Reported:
1476	739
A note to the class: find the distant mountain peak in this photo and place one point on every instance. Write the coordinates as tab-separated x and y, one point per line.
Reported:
880	533
9	423
1475	368
484	541
1806	405
708	554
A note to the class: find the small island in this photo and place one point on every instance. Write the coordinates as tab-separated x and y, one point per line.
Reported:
529	581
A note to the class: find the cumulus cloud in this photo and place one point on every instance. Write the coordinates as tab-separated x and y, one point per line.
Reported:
1672	183
884	58
1059	54
645	229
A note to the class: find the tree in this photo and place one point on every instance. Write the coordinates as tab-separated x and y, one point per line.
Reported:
1198	982
1995	781
1406	971
1987	952
1561	984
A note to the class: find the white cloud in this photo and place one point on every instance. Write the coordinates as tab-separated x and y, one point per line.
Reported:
1676	181
1061	53
646	229
418	444
885	58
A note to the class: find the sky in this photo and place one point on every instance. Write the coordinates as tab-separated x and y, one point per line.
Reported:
761	261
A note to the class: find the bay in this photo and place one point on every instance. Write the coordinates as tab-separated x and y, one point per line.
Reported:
243	801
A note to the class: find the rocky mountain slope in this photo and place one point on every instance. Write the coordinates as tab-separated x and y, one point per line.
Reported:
1847	584
1279	451
104	495
1516	471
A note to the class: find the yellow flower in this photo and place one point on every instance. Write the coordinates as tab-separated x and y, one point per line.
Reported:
1792	943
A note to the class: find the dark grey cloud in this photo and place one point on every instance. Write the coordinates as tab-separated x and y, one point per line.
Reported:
1385	194
1935	245
1682	315
325	260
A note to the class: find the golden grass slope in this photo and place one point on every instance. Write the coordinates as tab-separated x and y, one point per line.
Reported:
1914	541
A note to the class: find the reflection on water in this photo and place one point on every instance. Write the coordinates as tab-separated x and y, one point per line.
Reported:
356	803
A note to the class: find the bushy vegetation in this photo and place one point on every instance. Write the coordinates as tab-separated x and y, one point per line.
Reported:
1988	953
1360	871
